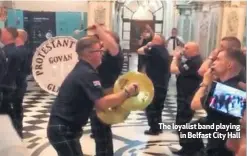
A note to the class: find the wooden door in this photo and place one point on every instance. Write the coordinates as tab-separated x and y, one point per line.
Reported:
136	29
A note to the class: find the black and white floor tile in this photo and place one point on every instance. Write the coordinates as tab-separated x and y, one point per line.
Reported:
37	104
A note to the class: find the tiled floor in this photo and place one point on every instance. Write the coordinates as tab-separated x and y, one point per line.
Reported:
134	143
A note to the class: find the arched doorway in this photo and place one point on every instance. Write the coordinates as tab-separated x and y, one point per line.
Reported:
135	15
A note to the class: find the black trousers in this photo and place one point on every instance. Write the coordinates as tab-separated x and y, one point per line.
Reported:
142	59
18	108
215	146
9	107
64	139
102	136
184	113
154	110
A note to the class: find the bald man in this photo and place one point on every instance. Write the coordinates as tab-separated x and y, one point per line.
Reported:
157	69
21	83
188	80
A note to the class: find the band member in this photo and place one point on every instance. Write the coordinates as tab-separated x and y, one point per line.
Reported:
188	80
226	43
226	69
174	41
80	92
3	67
109	71
21	82
146	36
9	81
157	69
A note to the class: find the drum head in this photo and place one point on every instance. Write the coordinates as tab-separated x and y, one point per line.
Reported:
52	61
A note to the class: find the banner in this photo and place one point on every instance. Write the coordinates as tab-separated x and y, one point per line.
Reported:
67	23
40	27
15	18
52	62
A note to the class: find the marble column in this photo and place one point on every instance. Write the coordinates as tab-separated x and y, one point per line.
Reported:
196	15
215	25
233	22
204	30
185	22
169	20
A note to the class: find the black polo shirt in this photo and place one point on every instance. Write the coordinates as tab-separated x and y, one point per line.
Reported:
242	75
157	66
13	64
213	115
3	65
188	80
143	58
110	68
76	97
145	41
24	68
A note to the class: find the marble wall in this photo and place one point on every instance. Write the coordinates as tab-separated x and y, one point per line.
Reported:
207	23
185	25
52	5
100	12
234	16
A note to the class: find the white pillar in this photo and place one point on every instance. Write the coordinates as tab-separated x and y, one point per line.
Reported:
168	22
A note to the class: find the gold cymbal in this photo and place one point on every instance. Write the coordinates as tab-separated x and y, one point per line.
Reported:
146	90
113	115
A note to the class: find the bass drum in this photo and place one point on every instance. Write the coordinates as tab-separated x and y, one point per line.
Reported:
52	62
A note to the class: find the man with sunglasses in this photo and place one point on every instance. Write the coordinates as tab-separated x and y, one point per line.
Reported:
80	92
109	71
